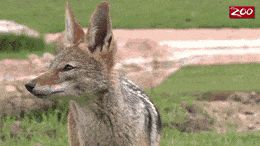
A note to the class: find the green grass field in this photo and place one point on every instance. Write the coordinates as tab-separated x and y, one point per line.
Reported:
19	47
50	128
48	15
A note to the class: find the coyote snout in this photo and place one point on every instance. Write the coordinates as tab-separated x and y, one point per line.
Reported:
120	113
42	86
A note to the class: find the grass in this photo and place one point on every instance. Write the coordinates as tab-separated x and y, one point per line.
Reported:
13	46
180	87
173	137
48	15
13	43
212	78
47	129
191	80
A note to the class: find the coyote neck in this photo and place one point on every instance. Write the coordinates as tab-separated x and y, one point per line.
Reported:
103	121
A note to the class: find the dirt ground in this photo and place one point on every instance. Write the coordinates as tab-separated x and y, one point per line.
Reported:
122	35
187	34
239	111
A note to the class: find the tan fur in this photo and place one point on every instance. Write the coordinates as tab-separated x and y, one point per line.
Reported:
49	78
72	131
108	110
75	33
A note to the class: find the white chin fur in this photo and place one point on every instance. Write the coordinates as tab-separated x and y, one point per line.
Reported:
49	90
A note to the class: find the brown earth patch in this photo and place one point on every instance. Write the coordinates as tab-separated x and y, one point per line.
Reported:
221	112
196	120
239	111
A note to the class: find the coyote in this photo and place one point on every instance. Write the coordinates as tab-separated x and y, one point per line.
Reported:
117	112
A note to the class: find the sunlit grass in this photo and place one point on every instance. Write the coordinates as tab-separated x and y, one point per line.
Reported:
48	15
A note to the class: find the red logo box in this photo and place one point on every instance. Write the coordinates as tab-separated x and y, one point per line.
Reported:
241	12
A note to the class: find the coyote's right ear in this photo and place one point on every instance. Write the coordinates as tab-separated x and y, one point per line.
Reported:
74	34
99	33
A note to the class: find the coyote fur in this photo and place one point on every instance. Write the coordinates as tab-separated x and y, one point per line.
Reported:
117	111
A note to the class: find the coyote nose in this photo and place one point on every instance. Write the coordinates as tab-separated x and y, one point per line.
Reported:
29	86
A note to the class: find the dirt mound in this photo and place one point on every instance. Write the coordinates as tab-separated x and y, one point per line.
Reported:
142	60
222	111
13	70
196	120
14	98
238	111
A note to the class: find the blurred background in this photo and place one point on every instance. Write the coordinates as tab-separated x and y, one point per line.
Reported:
200	68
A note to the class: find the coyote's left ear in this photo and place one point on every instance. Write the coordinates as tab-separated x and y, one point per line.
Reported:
99	35
74	34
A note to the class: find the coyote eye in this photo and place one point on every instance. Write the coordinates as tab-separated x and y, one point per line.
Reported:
68	67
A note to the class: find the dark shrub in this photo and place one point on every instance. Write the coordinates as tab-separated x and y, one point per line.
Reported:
13	43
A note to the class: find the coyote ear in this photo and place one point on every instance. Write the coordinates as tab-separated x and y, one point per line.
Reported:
100	31
74	34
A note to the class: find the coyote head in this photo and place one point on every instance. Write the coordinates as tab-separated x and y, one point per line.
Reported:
85	62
